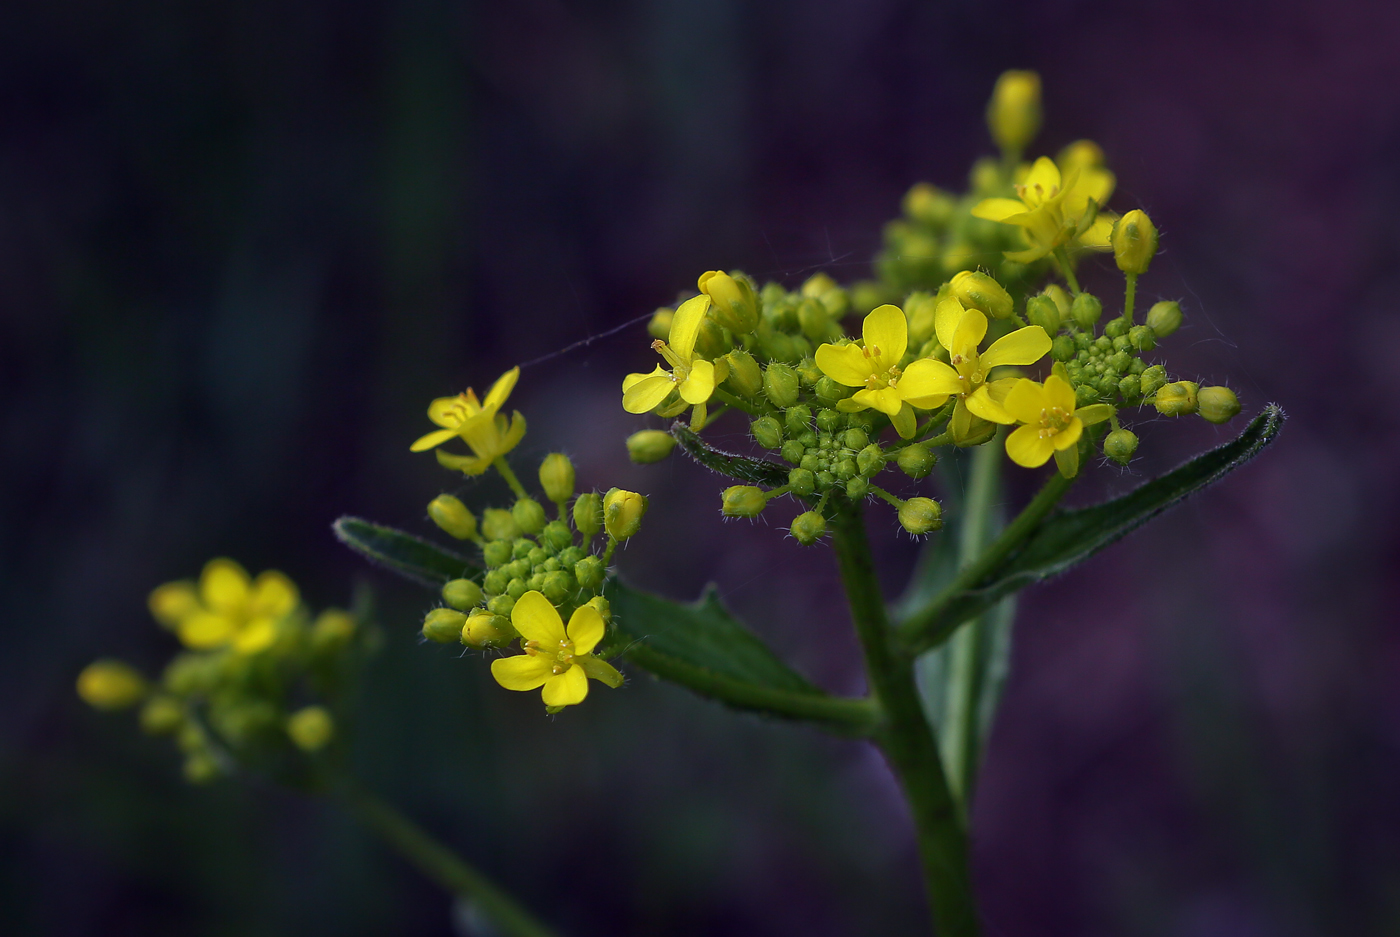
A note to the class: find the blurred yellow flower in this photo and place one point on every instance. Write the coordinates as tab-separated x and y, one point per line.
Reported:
226	607
1055	209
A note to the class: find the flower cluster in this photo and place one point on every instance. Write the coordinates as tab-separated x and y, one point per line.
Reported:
257	683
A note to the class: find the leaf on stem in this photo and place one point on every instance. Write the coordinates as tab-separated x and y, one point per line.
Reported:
753	471
409	556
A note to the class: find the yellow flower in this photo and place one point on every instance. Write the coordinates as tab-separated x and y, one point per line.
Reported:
1054	209
873	366
111	684
560	660
1052	423
693	376
226	607
486	431
961	331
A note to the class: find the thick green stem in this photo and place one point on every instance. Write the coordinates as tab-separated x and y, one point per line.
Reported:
906	738
441	865
736	402
927	627
509	475
1128	298
1067	270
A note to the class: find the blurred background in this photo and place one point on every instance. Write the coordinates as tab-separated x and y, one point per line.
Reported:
242	245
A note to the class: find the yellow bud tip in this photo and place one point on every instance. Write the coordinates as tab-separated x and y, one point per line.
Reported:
649	445
311	729
557	477
111	684
1134	242
1013	114
920	516
452	516
622	513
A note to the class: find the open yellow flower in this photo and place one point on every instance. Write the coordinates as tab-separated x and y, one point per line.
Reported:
694	377
226	607
557	658
1052	424
478	423
873	366
1054	209
961	331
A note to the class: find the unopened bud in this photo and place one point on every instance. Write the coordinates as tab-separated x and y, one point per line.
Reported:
1061	298
1042	311
802	482
745	376
1120	445
829	391
1141	337
743	501
828	420
929	205
767	432
920	516
1013	114
735	305
921	311
979	291
798	419
588	512
1086	310
557	585
622	513
1164	318
111	684
780	384
1062	348
529	515
1134	241
557	477
1130	386
1153	379
462	594
603	606
311	728
1176	399
487	629
647	446
1217	404
499	524
813	319
162	715
590	572
452	516
870	460
916	461
660	325
857	487
808	528
443	625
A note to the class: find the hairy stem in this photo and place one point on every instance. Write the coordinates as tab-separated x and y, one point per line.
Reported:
509	475
906	738
1067	270
441	865
1128	298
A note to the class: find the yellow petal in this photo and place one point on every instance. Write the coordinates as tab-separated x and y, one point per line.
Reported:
205	630
223	585
255	636
1026	448
1069	435
1096	238
1023	346
468	464
844	364
685	326
1095	413
512	436
850	405
1025	401
1041	181
436	438
449	412
173	602
648	393
599	670
904	423
972	328
1030	255
1058	393
585	629
945	320
928	383
980	403
537	620
886	334
999	209
960	426
887	400
500	390
698	387
526	672
274	594
566	689
632	380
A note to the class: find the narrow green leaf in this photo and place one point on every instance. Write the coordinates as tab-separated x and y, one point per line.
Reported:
753	471
409	556
1069	537
704	648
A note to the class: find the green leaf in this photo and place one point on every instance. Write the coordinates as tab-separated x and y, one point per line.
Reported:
409	556
704	648
753	471
1065	538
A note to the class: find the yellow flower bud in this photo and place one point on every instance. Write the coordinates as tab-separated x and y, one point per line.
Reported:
1217	404
528	515
557	477
979	291
1061	298
745	376
1042	311
660	325
622	513
1086	310
443	625
486	629
311	728
916	461
588	508
767	432
1134	241
1013	114
162	715
735	305
453	517
1176	399
1120	445
1164	318
462	594
920	309
604	608
780	383
920	516
644	447
743	501
111	684
807	528
332	629
590	572
929	205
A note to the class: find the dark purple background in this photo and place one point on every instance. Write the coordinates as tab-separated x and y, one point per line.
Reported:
243	244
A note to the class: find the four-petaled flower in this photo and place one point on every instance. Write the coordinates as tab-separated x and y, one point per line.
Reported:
560	660
1052	424
479	424
965	377
873	366
692	376
1053	211
226	607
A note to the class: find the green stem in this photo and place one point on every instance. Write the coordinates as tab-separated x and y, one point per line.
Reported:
441	865
736	403
608	553
927	627
1129	297
1066	270
504	468
906	738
